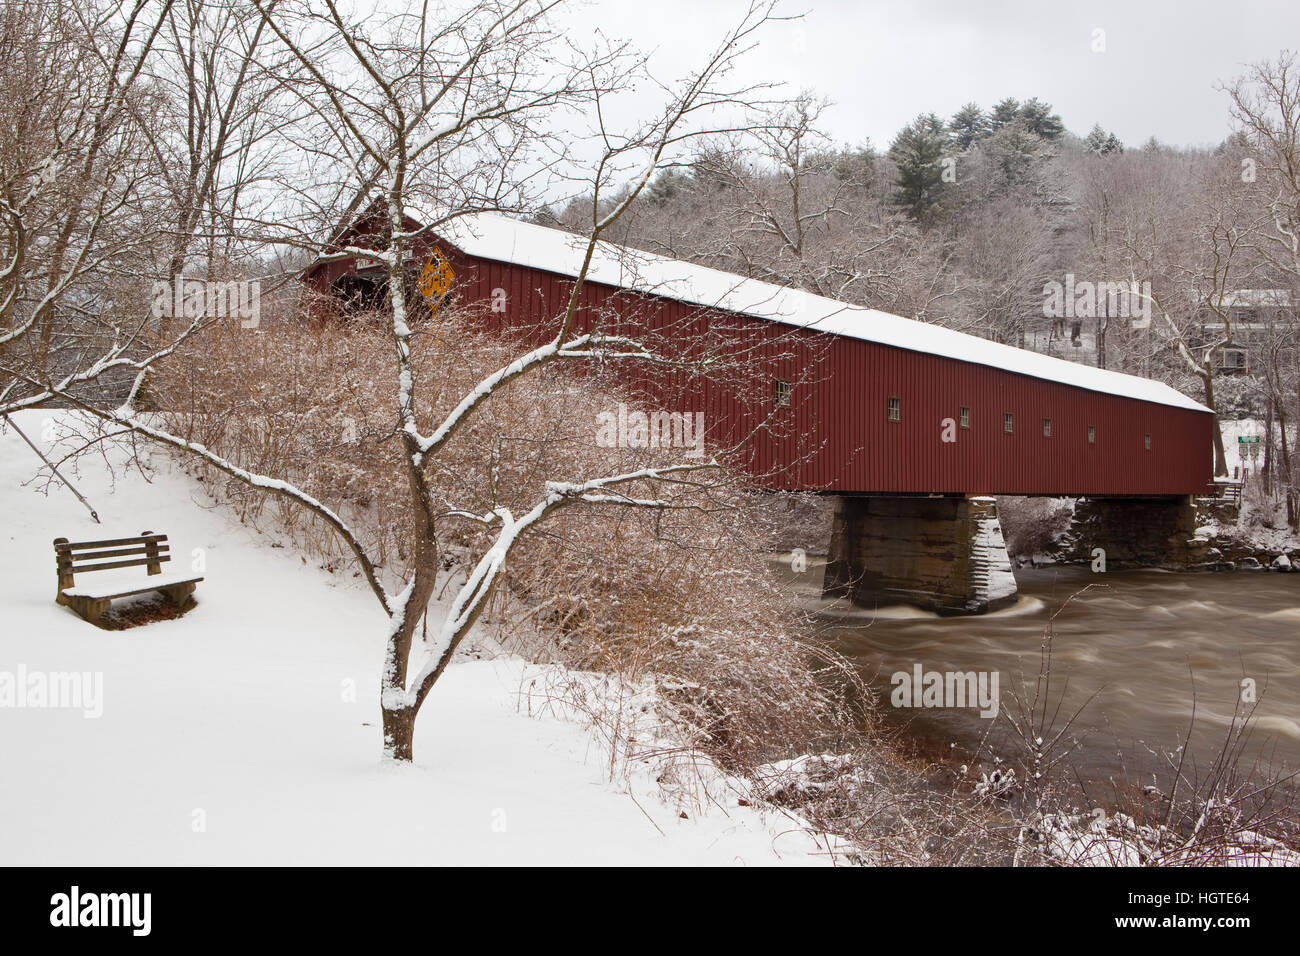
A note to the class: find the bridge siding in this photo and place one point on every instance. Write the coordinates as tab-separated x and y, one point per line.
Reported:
840	418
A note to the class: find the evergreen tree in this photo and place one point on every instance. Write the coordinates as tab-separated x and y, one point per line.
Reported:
916	152
1005	113
968	125
1040	120
667	185
1016	159
1102	143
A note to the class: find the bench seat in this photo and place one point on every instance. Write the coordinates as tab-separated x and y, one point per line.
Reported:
126	585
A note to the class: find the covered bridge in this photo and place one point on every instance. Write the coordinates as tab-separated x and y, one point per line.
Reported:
914	425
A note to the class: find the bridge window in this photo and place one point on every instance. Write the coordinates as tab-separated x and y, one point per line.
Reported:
1047	428
1092	435
1007	423
1148	443
895	412
783	390
965	417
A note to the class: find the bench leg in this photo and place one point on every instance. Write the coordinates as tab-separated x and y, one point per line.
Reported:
179	594
98	608
92	609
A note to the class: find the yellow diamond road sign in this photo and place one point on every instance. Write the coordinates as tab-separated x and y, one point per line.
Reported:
435	278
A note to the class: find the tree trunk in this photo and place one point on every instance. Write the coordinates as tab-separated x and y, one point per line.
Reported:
1267	471
1220	457
399	734
1285	478
1289	470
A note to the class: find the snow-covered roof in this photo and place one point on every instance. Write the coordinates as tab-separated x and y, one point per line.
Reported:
502	239
1257	299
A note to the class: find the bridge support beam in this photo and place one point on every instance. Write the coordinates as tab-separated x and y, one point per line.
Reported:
1137	532
943	554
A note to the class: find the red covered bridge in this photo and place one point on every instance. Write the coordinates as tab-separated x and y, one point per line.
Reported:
873	404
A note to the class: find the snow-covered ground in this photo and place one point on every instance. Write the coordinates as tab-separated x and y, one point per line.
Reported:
1262	523
1234	429
248	730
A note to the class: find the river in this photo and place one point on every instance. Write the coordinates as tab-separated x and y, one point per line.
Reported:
1128	650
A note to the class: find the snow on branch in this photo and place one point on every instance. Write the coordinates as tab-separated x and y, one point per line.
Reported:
575	348
472	597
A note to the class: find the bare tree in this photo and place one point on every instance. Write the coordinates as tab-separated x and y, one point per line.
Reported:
125	123
75	188
1195	254
779	202
414	108
215	108
1266	106
1004	254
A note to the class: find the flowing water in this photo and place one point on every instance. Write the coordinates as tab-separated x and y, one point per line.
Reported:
1129	651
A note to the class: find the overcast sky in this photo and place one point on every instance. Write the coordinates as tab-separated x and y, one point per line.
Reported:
882	62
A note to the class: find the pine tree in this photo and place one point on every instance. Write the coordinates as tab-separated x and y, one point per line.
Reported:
1040	120
1016	158
667	185
1095	141
1005	113
968	125
916	152
1100	142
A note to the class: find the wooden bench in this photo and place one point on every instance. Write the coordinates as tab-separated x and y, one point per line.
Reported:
148	550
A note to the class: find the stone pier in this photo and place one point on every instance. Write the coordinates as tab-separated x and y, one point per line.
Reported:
945	554
1137	533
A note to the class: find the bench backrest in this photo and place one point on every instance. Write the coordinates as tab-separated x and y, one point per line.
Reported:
78	557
